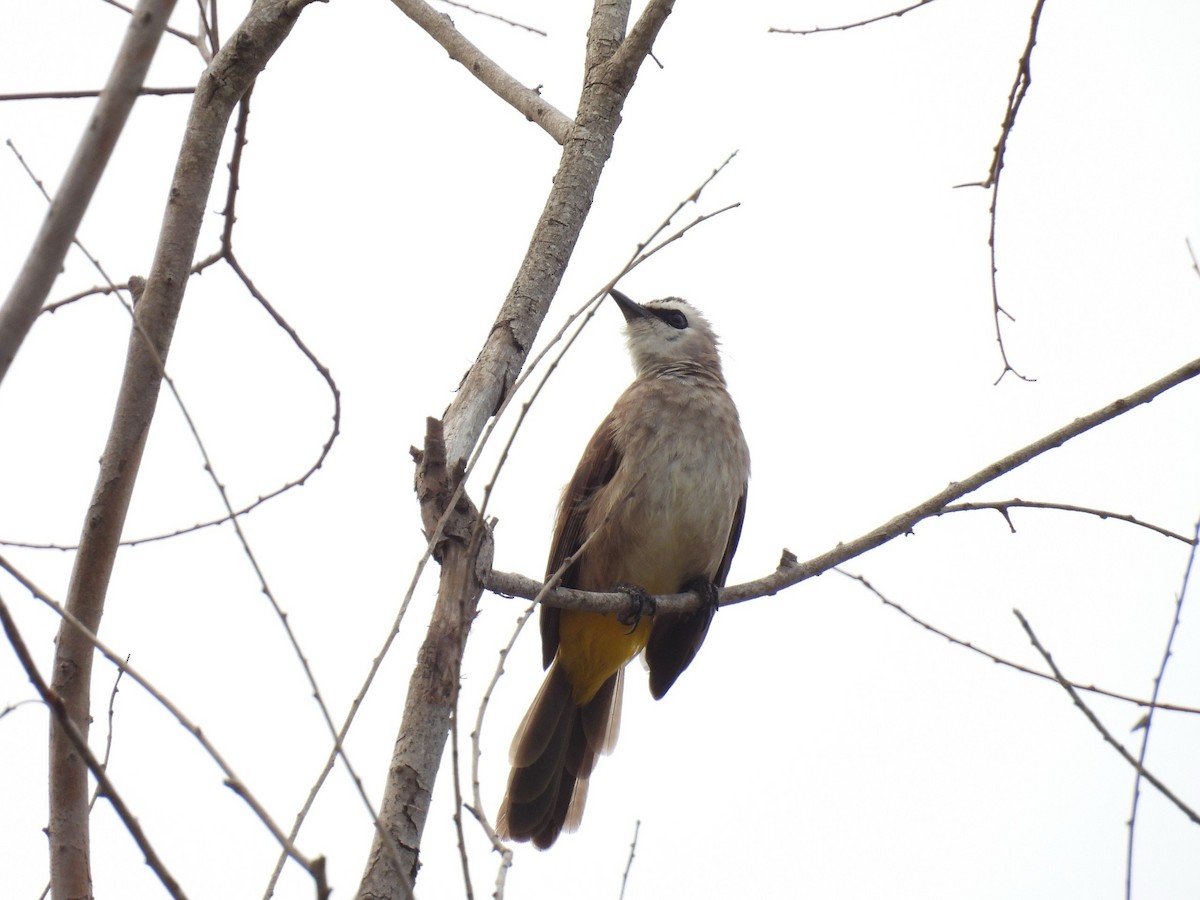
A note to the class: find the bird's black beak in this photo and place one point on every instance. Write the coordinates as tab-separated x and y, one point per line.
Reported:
632	311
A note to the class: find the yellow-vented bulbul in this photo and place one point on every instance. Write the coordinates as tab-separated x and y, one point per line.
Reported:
663	482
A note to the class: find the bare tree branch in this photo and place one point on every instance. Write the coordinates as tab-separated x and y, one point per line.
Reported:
790	572
529	103
1003	506
488	15
1008	663
82	95
477	752
1149	718
232	779
894	14
1016	96
1091	717
637	827
79	741
175	32
45	258
468	890
232	71
13	707
224	253
75	239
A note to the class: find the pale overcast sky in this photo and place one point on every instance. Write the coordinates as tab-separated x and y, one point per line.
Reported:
821	745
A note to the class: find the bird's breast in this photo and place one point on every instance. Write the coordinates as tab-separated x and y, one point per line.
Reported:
666	515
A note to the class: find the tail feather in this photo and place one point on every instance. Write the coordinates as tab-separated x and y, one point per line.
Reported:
553	754
543	721
602	716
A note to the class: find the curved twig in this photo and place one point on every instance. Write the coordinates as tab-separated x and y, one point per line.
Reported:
894	14
1016	96
1003	506
488	15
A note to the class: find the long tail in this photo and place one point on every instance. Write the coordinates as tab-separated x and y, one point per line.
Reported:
553	754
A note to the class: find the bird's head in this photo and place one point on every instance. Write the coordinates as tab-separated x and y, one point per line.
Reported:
666	333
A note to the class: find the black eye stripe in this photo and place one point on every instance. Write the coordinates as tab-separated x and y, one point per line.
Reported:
672	317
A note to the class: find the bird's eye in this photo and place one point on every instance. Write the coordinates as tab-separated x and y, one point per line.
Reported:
675	319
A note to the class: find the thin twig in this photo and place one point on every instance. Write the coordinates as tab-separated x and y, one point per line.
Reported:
1016	97
476	742
121	662
699	220
315	868
459	805
693	197
895	14
68	726
224	253
74	238
1116	745
1000	660
1149	718
83	95
112	708
488	15
211	43
637	826
31	701
183	35
1003	506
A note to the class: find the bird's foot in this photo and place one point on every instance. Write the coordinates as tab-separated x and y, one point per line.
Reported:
640	604
708	592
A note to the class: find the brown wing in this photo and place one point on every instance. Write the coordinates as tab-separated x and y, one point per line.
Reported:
735	535
595	470
675	638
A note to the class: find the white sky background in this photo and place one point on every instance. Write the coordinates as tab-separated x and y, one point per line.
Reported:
821	745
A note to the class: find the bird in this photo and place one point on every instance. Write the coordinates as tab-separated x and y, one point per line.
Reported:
656	503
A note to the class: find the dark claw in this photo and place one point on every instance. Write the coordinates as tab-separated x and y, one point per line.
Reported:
709	593
640	604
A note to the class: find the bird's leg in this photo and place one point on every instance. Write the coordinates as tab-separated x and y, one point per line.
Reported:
708	592
640	604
